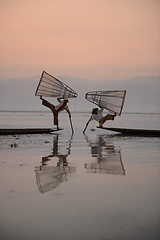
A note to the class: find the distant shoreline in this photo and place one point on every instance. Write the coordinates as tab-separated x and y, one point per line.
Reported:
76	112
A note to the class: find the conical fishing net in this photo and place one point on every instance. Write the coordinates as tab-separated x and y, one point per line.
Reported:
113	101
50	86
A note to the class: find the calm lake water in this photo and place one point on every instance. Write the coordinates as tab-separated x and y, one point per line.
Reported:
97	186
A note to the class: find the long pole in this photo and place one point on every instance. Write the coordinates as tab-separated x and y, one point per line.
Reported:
85	129
71	124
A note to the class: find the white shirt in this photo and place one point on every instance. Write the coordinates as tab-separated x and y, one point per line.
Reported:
97	117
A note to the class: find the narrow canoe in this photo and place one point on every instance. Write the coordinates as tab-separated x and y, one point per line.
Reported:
27	131
135	132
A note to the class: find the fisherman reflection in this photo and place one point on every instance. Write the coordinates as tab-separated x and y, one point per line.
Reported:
62	158
108	158
50	176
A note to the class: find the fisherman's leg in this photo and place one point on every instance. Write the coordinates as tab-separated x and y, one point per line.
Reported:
55	114
106	118
101	123
48	104
52	107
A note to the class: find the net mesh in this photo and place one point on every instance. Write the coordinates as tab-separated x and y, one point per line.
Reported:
50	86
113	101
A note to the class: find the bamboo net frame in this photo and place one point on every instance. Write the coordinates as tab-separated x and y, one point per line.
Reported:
50	86
112	101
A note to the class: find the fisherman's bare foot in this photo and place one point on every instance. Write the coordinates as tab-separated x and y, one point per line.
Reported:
100	125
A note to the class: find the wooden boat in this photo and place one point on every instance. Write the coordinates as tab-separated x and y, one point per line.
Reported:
135	132
27	131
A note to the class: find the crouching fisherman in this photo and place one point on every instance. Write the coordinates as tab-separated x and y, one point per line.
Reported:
98	116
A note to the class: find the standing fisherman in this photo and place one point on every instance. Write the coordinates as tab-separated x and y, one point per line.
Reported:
58	108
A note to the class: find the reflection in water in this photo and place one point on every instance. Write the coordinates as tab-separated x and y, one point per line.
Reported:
108	158
49	177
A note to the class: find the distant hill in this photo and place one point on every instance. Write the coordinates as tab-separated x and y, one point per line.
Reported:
143	93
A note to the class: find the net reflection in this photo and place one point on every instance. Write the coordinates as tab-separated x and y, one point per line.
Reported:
108	158
49	177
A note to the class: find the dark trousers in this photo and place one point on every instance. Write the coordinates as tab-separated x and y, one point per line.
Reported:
54	111
106	118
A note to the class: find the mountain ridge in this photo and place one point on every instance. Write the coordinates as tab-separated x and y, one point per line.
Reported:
143	93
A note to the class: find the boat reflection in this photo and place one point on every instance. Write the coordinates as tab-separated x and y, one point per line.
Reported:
108	158
51	176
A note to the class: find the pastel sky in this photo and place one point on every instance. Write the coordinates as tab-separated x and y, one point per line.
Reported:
94	39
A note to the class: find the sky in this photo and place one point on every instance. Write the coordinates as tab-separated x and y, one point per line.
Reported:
92	39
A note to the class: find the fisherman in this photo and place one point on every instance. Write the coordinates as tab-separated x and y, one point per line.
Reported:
56	109
98	116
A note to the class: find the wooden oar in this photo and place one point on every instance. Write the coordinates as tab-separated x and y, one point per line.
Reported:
71	124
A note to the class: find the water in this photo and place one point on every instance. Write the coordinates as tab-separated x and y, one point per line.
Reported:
96	186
